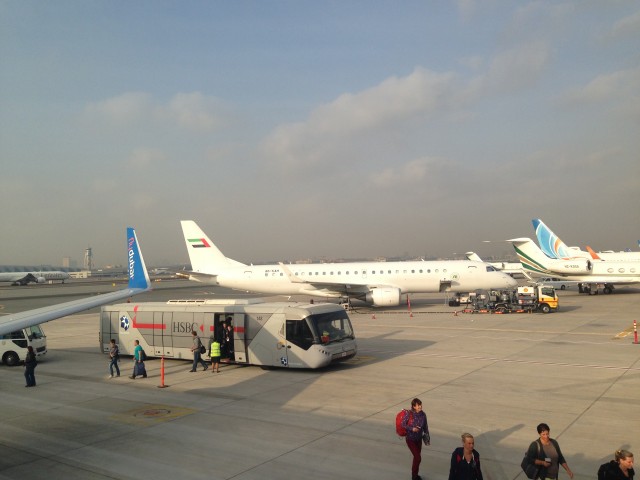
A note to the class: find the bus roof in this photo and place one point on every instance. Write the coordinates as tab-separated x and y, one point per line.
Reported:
217	301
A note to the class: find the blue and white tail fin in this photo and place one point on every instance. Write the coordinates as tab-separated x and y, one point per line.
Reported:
549	242
138	275
204	256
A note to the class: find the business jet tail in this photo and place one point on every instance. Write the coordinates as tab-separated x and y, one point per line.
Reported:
536	262
206	259
550	243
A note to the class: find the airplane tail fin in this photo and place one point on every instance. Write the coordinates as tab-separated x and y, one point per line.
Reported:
549	242
138	275
203	254
533	260
593	254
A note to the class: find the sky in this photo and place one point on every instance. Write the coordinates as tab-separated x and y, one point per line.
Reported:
316	129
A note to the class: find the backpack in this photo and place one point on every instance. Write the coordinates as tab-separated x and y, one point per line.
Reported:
143	355
400	416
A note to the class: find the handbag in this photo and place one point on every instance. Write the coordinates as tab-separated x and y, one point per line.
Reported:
530	469
203	350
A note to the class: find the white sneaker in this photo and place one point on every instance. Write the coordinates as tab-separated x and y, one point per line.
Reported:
110	376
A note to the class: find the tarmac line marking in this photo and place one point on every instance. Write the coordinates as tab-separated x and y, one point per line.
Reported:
528	362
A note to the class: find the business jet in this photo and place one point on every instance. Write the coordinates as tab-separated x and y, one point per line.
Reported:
510	268
23	278
591	273
553	247
138	283
377	283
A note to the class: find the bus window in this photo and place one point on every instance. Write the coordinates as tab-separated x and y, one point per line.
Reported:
299	333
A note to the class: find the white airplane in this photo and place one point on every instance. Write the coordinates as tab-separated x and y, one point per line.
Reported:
138	283
510	268
553	247
377	283
590	272
23	278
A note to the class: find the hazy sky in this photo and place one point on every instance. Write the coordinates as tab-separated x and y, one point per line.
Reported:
297	129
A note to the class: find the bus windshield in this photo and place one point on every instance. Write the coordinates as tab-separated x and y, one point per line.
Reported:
331	327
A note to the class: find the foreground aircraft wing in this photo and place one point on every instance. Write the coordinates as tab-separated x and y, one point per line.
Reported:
138	283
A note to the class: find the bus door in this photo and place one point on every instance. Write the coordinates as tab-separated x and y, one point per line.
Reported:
162	337
109	328
298	340
239	338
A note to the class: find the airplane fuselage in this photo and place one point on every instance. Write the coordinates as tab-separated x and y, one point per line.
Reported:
407	277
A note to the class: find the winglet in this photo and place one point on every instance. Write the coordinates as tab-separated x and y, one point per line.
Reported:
293	278
138	275
594	255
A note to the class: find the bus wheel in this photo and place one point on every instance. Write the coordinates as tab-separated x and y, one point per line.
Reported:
11	359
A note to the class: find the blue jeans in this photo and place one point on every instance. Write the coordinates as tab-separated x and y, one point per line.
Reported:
114	363
197	359
30	376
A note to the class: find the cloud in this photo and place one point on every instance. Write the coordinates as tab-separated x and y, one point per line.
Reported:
126	108
190	111
627	27
411	172
306	144
144	158
512	70
616	89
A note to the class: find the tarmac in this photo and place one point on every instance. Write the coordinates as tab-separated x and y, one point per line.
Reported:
494	376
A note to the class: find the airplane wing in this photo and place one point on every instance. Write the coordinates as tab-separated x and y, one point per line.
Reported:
138	283
331	287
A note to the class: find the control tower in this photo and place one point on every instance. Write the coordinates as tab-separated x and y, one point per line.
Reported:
88	259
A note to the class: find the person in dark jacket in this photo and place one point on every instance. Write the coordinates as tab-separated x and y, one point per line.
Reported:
465	461
30	363
546	454
619	469
415	423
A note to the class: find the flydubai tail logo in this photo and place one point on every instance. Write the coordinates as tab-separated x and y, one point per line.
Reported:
198	242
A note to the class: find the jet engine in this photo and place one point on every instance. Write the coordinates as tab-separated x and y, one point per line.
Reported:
572	266
383	297
41	280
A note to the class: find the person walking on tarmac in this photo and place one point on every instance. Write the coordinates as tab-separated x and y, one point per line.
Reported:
195	348
415	423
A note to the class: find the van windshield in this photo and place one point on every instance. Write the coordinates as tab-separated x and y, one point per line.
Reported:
331	327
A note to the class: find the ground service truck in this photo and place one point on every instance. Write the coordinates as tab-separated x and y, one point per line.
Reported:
541	298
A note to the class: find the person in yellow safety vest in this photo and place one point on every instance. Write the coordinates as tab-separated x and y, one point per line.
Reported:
215	356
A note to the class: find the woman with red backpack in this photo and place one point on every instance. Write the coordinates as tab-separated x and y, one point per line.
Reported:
415	424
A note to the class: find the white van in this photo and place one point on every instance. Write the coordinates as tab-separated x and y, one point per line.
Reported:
557	283
13	346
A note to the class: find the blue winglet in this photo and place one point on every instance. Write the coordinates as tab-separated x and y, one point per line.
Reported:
138	276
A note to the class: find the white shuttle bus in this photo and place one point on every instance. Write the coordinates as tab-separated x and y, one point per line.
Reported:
291	335
13	346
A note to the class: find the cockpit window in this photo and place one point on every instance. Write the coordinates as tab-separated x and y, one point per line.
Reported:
491	269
